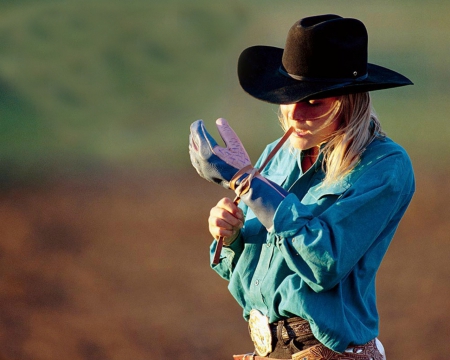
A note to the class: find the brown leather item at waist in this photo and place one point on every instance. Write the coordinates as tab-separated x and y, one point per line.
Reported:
251	357
367	351
292	328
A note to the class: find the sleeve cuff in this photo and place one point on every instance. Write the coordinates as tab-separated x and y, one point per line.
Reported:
229	252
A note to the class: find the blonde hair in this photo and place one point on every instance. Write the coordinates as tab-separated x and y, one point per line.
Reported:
358	127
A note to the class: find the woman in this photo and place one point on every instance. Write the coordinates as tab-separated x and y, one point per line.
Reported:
302	250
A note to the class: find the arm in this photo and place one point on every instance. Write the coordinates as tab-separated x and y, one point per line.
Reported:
230	167
322	250
229	257
221	164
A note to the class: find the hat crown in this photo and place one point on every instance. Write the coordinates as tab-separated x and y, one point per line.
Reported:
325	55
326	47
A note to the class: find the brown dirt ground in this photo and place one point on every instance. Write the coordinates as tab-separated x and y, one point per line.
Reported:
116	267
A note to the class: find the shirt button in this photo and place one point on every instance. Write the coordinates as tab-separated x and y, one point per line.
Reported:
269	244
257	282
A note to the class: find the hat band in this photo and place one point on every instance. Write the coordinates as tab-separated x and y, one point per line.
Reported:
314	79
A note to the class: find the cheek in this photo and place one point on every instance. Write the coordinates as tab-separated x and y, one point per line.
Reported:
284	111
284	119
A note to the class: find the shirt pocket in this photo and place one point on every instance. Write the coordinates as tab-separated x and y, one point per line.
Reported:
320	198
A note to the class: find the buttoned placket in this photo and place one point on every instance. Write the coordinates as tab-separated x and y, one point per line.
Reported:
300	185
260	273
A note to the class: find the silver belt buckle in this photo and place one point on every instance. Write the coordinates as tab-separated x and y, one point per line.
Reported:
260	333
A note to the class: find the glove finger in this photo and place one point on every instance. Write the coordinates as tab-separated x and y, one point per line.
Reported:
194	139
192	145
201	140
196	164
194	156
231	139
226	132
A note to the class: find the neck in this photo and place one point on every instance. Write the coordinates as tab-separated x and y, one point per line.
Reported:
309	158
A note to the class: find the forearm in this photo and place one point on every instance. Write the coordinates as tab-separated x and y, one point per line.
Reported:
263	197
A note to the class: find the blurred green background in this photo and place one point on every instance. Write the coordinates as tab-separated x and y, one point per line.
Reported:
89	84
103	234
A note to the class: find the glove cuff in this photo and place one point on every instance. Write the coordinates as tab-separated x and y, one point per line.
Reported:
237	179
240	183
263	197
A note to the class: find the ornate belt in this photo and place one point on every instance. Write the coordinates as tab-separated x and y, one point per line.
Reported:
262	332
292	328
258	326
367	351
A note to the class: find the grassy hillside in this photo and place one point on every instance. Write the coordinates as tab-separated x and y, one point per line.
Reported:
111	83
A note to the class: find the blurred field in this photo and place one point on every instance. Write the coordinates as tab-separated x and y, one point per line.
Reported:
118	269
104	244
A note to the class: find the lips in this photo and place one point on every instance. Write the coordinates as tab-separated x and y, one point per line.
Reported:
299	132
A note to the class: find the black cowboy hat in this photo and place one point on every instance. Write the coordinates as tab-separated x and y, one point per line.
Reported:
324	56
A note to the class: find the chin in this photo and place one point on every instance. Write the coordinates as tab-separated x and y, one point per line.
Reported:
300	145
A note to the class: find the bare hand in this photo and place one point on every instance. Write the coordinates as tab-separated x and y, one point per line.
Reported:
225	219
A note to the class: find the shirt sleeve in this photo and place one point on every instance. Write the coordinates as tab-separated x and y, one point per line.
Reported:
228	257
324	249
230	254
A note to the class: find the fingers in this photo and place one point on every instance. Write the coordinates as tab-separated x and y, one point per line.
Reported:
230	206
192	143
234	152
230	138
225	131
225	219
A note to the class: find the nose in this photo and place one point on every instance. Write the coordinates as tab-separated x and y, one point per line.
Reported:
295	112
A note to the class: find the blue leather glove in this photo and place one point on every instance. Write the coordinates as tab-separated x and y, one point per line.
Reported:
212	162
219	165
263	198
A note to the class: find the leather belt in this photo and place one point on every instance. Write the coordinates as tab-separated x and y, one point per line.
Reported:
367	351
265	335
251	357
292	328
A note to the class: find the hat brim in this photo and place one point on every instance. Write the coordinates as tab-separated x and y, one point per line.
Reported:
259	75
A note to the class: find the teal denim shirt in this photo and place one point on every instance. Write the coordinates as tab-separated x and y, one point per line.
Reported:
320	259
